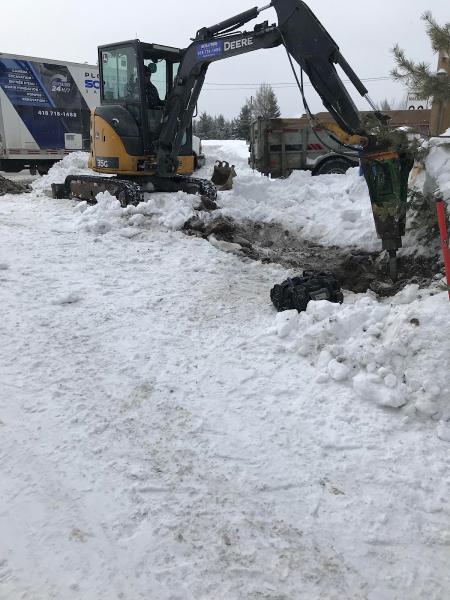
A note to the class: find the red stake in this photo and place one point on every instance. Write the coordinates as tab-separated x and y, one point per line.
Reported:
444	240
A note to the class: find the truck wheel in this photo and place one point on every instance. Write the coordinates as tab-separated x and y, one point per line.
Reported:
336	166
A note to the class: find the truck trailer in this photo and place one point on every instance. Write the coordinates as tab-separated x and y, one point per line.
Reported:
45	108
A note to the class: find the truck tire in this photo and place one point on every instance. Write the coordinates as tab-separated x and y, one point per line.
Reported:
334	166
42	170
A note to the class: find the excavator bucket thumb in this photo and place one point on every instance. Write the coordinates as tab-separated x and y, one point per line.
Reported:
223	175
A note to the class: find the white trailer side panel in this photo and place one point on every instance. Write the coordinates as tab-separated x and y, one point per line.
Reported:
45	107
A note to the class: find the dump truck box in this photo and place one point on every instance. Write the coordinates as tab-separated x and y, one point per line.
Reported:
45	110
280	146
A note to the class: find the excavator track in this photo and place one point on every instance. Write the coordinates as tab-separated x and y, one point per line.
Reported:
130	191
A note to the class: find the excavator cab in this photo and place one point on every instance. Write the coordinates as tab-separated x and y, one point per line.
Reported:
126	127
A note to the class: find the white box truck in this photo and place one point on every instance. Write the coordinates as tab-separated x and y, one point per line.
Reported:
45	108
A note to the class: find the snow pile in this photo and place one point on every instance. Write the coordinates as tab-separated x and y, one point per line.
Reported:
170	211
329	209
394	353
75	163
437	167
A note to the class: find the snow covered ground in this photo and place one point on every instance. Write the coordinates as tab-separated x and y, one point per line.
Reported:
165	434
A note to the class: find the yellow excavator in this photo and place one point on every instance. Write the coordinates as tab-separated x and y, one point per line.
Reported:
141	145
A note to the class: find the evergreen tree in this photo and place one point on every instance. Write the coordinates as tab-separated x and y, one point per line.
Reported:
266	103
420	78
203	126
243	122
220	127
384	105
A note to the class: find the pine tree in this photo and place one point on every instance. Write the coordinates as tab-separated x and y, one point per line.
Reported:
203	126
384	105
420	78
243	122
266	103
220	127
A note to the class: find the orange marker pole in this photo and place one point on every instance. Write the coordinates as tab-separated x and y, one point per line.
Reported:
444	240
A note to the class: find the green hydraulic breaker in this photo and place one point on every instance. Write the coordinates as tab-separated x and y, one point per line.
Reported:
387	175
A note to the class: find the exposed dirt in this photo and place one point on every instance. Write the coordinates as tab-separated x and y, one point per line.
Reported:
12	187
357	271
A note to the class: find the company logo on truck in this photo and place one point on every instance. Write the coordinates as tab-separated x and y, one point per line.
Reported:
60	84
92	81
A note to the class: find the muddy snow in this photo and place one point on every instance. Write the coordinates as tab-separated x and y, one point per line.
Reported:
164	433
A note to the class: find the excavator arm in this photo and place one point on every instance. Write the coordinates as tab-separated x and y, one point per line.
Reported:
385	160
306	41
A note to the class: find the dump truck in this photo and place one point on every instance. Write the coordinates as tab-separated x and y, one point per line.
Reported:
45	109
280	146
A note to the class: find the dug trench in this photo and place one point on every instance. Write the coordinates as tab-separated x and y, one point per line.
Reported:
357	271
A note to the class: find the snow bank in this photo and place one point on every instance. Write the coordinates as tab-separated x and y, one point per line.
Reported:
329	209
437	166
73	164
393	354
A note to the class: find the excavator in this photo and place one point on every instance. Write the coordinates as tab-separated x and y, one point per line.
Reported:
138	148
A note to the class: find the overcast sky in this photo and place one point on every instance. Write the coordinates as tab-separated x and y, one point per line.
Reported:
365	32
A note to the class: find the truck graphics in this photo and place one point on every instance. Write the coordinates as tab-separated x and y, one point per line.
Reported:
44	107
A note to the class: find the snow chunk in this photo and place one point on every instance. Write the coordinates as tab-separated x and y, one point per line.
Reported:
443	431
338	371
102	217
369	389
70	298
286	323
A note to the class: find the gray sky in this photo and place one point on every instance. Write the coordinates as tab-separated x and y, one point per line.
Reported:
365	32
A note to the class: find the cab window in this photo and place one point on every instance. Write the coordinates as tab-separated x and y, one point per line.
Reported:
159	77
120	75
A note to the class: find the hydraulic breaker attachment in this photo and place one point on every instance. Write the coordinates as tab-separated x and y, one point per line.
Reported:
223	175
387	175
